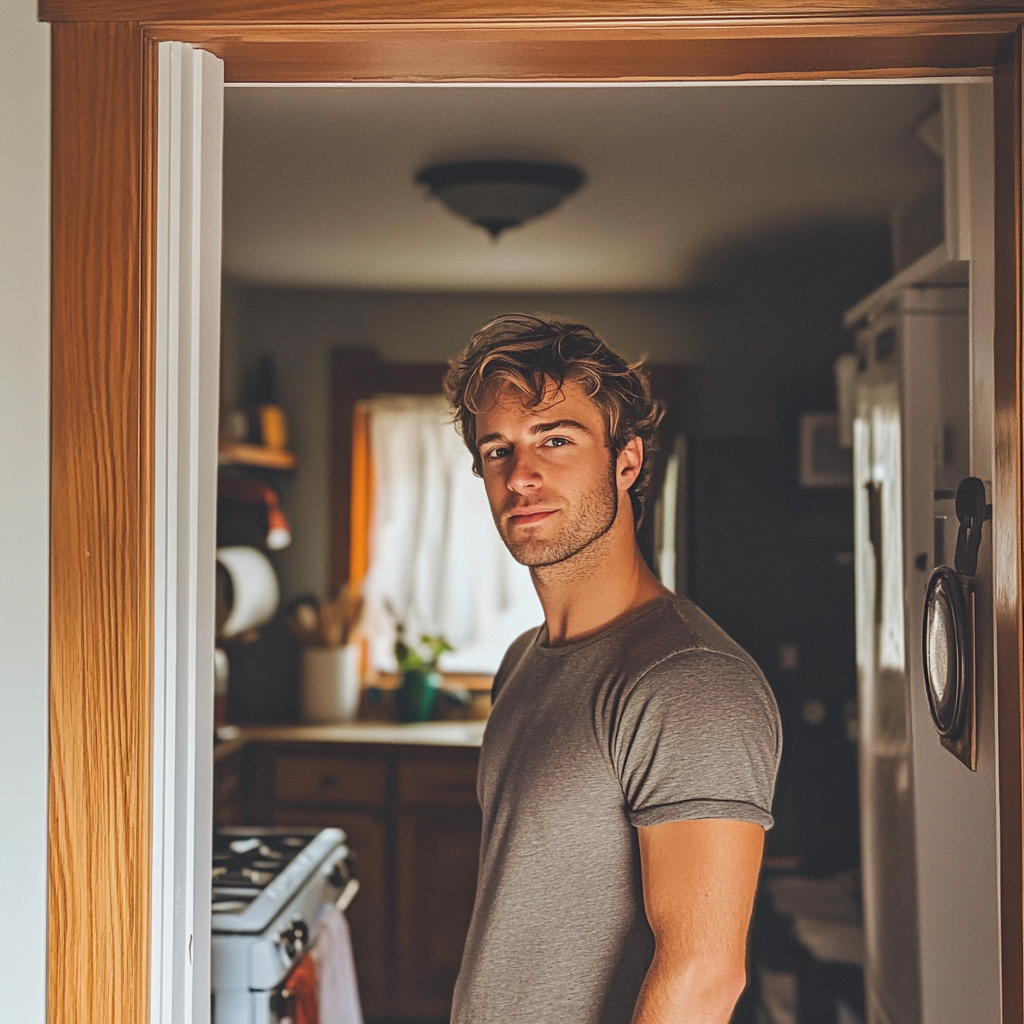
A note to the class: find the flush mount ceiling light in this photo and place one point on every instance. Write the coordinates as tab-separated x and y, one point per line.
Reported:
500	194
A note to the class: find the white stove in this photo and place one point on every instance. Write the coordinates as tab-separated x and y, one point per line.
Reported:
270	888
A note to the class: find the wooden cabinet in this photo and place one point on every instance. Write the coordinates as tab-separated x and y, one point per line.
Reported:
438	848
329	781
437	781
230	787
438	851
411	815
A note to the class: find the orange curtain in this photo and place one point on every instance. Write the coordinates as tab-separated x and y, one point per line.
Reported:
362	496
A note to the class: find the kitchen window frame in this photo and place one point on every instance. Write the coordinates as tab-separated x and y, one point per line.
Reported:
103	332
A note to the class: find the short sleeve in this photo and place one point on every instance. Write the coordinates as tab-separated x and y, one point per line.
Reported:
698	736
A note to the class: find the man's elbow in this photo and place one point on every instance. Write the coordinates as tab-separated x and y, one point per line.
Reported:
715	986
731	985
722	986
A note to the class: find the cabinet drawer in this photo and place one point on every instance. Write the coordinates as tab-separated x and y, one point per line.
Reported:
226	788
306	779
435	781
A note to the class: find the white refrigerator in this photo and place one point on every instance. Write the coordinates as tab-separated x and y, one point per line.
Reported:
911	449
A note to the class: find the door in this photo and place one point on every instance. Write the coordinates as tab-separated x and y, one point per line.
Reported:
948	387
925	422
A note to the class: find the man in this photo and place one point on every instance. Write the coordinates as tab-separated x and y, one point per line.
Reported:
627	769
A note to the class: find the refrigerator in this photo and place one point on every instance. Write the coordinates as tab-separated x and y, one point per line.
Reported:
911	448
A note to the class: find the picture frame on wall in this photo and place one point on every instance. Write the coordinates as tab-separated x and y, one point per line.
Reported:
824	462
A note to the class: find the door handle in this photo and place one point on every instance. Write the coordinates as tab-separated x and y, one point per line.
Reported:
972	511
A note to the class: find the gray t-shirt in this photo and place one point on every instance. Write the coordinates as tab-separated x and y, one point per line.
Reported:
659	718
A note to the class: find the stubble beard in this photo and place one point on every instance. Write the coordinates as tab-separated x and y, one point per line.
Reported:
587	521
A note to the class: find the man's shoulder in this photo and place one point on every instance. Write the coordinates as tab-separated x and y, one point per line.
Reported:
694	681
678	627
680	649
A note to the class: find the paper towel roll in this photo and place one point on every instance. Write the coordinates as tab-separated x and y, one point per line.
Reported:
254	586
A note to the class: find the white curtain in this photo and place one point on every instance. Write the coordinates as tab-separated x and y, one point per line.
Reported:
435	556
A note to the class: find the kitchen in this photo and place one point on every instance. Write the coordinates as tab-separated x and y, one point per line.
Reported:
754	330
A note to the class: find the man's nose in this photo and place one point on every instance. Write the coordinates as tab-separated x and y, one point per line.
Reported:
523	472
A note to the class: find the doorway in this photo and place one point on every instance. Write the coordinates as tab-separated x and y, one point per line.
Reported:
127	43
770	553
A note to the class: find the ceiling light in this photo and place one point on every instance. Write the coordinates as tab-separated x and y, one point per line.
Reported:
500	194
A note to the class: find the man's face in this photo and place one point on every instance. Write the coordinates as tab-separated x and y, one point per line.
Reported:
549	472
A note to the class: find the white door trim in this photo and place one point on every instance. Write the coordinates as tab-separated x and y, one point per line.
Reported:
189	157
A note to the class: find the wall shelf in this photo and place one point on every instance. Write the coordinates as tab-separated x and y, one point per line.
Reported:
239	453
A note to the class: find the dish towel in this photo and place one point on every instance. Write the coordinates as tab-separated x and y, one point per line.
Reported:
301	994
336	970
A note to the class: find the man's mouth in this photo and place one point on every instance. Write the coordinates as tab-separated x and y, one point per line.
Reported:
528	516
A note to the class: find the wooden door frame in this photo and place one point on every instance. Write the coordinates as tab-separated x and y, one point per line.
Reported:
103	212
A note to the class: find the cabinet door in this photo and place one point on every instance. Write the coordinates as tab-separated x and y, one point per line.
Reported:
368	913
438	781
229	790
438	853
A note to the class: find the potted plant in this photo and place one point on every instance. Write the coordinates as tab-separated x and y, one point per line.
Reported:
417	663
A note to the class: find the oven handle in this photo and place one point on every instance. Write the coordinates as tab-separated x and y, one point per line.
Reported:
341	875
348	894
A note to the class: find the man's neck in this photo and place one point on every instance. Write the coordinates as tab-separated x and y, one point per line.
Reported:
597	586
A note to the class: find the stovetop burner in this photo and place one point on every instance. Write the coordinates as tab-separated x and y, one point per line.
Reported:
256	870
244	865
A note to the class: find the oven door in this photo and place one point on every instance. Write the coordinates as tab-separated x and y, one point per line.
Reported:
288	1003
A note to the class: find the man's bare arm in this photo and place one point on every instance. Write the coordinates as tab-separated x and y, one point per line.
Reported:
699	879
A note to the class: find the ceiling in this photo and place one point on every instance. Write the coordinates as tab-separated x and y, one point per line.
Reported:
319	184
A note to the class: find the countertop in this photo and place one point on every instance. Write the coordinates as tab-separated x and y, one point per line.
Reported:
439	734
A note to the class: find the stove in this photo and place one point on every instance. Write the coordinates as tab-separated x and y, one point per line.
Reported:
271	887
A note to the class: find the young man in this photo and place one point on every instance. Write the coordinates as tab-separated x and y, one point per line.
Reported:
627	769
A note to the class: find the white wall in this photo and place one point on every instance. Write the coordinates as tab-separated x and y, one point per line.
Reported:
24	470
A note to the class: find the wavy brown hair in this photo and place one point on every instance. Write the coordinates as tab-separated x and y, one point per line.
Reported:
529	353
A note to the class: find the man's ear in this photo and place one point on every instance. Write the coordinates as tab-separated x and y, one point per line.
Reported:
629	463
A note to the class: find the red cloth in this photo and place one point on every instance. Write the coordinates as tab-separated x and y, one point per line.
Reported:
303	993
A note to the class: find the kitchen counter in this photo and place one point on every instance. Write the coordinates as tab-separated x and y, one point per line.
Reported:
438	734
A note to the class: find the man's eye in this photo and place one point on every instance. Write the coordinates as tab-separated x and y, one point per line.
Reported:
498	453
557	442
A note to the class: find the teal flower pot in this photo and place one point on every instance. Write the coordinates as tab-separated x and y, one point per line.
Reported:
417	695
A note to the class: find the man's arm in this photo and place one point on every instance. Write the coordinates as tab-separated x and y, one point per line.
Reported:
699	879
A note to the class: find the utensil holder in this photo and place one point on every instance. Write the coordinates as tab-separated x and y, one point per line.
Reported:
330	683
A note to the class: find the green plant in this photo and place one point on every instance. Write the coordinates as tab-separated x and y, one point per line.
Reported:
420	657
